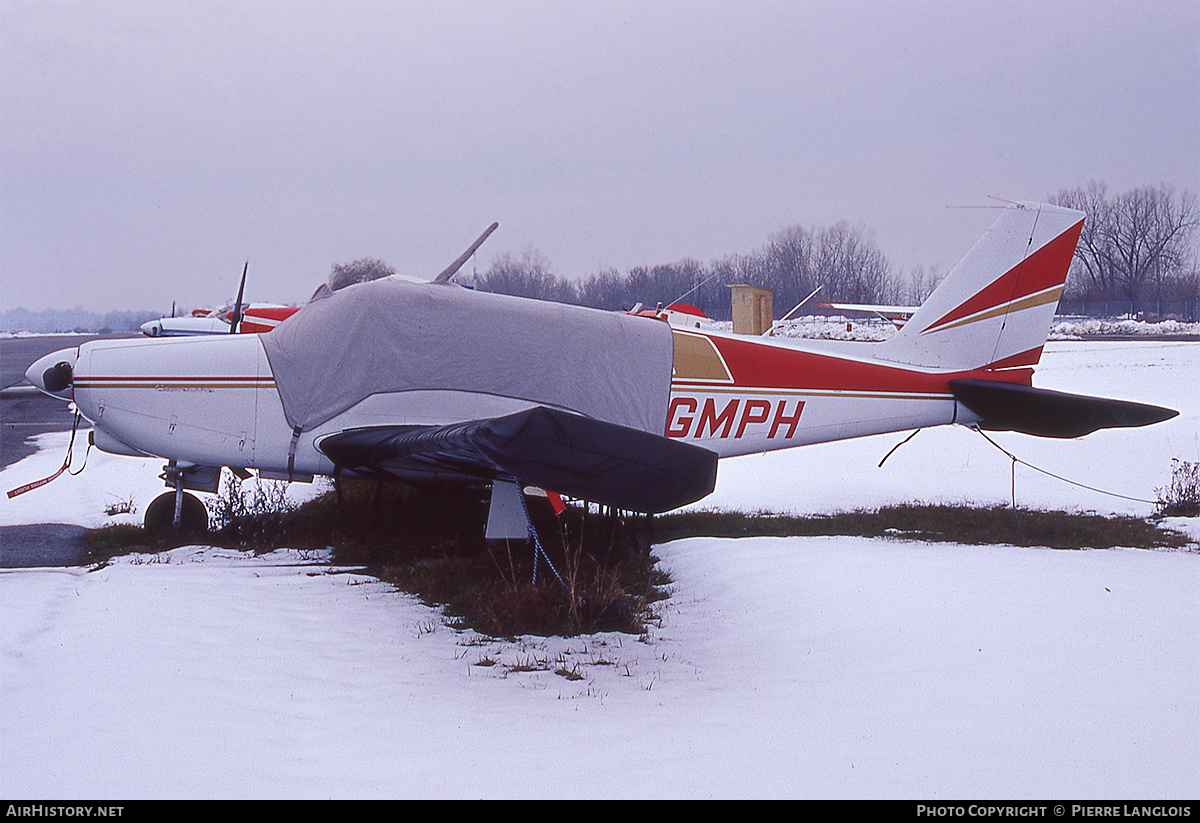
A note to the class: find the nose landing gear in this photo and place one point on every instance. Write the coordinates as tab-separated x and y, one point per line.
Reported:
191	517
177	510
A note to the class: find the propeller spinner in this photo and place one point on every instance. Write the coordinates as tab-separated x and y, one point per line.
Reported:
54	374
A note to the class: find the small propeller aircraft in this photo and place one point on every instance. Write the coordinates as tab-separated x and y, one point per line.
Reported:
896	315
395	378
254	318
677	314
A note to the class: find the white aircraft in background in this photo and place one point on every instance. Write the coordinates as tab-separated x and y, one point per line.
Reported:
235	318
682	315
393	378
255	319
896	315
199	321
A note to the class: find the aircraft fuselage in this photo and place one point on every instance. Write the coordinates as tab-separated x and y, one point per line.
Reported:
213	400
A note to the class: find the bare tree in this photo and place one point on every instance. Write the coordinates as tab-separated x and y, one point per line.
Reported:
920	285
850	267
605	290
526	275
1132	244
843	260
789	262
360	271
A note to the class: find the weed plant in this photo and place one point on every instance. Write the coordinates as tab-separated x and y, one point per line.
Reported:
589	571
256	517
1181	497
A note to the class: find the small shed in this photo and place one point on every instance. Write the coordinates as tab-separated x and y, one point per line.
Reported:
752	309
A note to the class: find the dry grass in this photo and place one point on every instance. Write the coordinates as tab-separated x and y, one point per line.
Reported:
959	524
596	571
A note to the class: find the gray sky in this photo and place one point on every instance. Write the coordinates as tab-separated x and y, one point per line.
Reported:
148	149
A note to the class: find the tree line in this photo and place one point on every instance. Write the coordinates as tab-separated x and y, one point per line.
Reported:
1136	255
843	260
77	320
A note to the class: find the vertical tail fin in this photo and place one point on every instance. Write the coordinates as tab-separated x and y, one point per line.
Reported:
995	307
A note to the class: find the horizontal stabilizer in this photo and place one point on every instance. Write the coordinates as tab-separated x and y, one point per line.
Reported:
576	456
1045	413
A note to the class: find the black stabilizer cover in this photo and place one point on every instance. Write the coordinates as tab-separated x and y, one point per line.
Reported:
573	455
1046	413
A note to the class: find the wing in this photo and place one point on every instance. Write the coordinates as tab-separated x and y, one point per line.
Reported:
903	311
573	455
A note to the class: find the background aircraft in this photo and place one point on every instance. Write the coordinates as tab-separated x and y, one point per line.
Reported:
896	315
684	315
256	318
234	318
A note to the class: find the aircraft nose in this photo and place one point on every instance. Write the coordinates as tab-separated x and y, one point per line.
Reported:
54	374
152	328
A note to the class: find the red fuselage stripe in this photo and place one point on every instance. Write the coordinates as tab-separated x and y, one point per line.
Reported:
770	368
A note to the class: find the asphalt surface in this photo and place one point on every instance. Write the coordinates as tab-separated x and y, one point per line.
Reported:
24	413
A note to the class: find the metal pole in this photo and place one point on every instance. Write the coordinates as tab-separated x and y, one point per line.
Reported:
178	499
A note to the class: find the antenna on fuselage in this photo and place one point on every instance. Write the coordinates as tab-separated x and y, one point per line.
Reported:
453	268
801	303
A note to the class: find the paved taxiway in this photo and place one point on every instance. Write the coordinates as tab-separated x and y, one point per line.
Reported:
24	410
24	413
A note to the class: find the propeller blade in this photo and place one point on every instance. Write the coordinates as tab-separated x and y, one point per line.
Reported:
236	319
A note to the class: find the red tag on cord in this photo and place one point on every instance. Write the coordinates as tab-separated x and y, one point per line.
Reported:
36	483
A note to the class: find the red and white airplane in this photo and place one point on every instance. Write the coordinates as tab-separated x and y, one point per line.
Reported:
684	315
256	318
397	378
237	318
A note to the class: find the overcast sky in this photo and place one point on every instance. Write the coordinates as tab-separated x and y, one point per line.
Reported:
149	149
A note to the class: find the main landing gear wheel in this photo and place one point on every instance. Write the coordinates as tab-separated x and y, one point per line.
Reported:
160	515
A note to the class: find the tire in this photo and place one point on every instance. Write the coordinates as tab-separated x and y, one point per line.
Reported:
160	515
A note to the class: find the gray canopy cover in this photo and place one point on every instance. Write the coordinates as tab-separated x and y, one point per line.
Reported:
394	335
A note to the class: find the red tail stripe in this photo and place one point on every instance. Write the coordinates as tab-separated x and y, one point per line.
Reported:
1044	269
1025	358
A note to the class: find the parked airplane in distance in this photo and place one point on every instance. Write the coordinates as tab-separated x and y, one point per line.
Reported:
256	318
896	315
234	318
683	315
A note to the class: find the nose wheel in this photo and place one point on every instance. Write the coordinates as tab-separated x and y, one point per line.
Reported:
160	514
177	511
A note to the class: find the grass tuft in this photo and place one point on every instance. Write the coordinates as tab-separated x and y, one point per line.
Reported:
1181	497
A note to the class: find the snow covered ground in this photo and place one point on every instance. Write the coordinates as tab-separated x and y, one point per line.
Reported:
814	667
